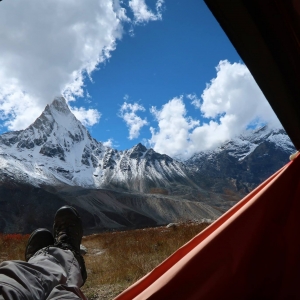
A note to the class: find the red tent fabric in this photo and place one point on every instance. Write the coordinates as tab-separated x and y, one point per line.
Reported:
251	252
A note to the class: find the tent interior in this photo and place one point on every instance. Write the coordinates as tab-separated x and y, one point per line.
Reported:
252	251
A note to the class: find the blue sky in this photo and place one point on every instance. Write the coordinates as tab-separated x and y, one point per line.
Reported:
164	59
158	72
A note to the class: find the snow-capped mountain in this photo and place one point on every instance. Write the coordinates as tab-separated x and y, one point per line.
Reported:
242	146
58	149
243	162
55	162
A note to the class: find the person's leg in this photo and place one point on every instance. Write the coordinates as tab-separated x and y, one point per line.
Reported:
66	293
59	269
16	277
47	269
68	233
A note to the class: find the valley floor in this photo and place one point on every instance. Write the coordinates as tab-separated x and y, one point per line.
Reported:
115	260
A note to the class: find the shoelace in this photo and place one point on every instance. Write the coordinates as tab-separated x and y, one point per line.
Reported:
64	240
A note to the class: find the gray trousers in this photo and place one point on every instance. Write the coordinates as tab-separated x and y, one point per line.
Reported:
52	273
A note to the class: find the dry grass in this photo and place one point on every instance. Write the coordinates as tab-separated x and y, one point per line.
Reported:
115	260
12	246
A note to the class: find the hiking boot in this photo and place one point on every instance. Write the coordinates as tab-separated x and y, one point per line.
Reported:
39	239
68	232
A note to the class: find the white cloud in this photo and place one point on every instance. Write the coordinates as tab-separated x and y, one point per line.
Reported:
235	93
16	106
133	121
172	136
88	117
143	14
195	100
229	103
49	47
108	143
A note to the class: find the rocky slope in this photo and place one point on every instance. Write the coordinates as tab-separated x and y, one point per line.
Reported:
239	165
25	208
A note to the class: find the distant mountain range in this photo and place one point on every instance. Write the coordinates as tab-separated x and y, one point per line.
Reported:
57	157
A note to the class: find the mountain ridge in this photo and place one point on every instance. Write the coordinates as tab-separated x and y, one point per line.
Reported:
78	159
57	157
